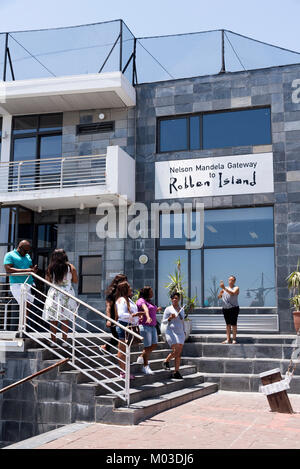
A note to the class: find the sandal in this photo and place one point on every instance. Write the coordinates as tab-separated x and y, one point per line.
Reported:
226	342
234	342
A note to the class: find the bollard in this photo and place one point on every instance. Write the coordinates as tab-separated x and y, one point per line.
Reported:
274	387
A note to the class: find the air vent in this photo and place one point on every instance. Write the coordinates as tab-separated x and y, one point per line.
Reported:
98	127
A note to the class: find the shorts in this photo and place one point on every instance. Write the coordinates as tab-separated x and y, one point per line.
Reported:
15	289
120	331
149	335
231	315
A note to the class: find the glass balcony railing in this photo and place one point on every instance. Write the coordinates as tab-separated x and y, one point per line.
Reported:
111	47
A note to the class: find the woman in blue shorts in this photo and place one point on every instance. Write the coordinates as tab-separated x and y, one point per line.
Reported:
147	326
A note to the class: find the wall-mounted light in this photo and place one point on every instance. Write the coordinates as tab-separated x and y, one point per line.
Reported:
101	116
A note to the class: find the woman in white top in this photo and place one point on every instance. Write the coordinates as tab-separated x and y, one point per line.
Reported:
59	307
126	314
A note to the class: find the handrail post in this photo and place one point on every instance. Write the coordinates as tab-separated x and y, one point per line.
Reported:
62	172
73	335
22	310
127	375
19	175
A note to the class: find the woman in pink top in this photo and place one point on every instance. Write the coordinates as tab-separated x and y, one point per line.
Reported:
147	326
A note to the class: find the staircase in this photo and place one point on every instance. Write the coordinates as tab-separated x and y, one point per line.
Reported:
237	367
149	394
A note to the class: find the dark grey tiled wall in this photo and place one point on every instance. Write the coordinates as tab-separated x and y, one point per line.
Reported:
271	87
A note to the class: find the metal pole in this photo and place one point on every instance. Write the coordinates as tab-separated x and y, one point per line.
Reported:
223	68
22	310
127	375
121	44
28	378
134	57
5	57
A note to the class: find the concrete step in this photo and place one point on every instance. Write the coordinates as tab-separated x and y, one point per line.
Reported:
151	390
245	338
149	407
244	382
140	380
106	359
239	365
198	349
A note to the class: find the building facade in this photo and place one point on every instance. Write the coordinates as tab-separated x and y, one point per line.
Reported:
228	141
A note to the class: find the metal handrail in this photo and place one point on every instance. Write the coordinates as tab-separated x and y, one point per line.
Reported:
34	375
106	375
56	172
58	158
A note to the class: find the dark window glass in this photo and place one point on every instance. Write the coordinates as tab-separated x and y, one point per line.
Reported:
253	269
50	122
47	236
25	148
196	277
237	128
25	225
195	133
25	124
233	227
50	146
173	134
176	229
244	231
7	225
172	229
90	275
167	266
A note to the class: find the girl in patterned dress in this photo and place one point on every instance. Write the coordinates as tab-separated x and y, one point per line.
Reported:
59	307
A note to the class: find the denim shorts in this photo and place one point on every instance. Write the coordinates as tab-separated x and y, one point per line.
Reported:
149	335
120	331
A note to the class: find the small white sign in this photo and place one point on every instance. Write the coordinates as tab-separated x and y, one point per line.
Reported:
225	175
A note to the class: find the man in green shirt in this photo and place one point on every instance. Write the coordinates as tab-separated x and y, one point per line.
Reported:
18	261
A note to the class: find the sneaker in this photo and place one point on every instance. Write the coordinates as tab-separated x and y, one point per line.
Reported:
140	360
147	370
177	375
66	345
166	365
122	375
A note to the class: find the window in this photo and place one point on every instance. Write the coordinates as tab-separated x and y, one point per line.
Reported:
47	236
36	138
215	130
237	242
90	275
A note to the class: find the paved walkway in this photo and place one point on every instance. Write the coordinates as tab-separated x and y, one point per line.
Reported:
224	420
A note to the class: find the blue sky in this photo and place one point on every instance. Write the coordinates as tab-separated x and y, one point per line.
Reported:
275	21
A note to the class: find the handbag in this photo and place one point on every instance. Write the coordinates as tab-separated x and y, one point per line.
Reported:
130	339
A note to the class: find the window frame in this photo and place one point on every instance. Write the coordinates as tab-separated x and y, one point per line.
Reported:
81	275
174	247
201	114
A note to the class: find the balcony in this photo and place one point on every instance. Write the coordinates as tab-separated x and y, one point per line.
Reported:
67	93
68	182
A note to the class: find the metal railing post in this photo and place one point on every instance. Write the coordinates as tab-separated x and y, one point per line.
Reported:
22	310
62	172
73	335
19	175
127	375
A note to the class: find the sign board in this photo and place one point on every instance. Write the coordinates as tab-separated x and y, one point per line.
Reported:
218	176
